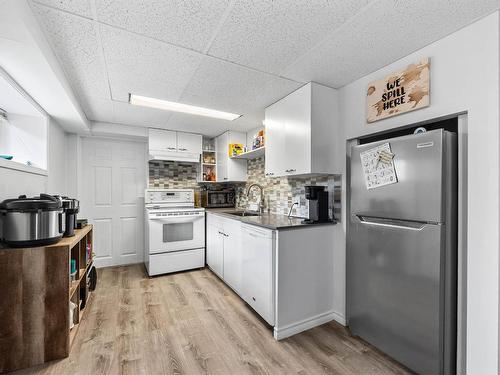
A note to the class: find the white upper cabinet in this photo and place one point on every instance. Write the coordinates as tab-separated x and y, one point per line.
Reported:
274	141
234	170
189	142
302	133
172	145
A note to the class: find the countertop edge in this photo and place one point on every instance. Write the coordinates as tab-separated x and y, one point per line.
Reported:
293	226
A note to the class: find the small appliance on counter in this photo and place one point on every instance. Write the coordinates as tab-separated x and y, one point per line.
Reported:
318	205
37	221
80	223
71	207
224	198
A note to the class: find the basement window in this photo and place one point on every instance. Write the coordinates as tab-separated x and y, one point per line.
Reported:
23	129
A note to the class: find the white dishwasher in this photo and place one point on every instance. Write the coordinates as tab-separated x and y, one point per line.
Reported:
258	258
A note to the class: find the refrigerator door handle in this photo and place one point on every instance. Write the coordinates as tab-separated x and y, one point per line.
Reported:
391	223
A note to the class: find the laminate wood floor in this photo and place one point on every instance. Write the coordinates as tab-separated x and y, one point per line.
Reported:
192	323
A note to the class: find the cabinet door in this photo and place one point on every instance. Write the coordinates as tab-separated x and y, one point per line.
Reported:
215	250
164	140
232	254
188	142
221	148
296	112
258	270
275	142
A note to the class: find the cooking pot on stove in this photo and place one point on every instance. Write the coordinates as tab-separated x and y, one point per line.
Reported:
27	222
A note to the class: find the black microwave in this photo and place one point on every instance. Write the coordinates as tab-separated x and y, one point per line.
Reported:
218	198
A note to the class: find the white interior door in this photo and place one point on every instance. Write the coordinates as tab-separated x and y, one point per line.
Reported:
112	198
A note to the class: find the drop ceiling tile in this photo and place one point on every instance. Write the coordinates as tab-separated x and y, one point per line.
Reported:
127	114
207	126
75	42
267	35
145	66
80	7
368	43
232	88
187	23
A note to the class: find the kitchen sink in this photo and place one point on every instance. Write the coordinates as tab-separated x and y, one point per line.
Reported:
240	213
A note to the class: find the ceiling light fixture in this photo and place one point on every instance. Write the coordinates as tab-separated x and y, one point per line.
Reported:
179	107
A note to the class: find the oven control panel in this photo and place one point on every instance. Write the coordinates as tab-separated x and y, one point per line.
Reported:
169	196
177	213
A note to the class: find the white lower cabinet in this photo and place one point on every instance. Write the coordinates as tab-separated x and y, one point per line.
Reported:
232	254
243	256
286	276
258	270
215	249
224	249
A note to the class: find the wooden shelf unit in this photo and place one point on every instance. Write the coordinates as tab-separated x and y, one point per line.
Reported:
36	291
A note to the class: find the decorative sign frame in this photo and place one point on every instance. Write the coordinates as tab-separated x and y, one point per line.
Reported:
398	93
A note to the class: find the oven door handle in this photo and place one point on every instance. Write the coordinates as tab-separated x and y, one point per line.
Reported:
177	219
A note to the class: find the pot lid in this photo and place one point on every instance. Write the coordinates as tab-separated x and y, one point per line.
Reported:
22	203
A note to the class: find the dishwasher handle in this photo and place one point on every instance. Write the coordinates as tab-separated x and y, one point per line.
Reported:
256	231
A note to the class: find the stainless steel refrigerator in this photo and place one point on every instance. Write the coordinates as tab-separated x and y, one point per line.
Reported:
402	252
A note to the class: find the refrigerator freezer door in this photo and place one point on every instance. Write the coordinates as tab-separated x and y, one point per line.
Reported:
418	160
394	297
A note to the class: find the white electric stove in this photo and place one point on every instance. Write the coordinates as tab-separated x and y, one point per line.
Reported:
175	231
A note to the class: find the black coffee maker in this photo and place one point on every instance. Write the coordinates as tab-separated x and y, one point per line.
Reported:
318	204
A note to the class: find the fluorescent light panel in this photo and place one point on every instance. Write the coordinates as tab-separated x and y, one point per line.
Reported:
179	107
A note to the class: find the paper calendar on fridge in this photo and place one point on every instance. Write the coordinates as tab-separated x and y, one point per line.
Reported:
378	166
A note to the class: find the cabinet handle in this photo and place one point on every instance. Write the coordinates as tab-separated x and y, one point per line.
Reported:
183	149
292	170
170	148
225	178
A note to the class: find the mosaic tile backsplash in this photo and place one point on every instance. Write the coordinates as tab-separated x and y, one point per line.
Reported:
279	193
172	175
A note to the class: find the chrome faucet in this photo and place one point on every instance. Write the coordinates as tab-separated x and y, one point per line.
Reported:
261	202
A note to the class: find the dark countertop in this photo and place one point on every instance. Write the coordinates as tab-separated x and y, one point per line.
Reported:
269	221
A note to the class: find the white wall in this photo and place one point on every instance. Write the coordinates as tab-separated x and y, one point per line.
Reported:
57	182
464	78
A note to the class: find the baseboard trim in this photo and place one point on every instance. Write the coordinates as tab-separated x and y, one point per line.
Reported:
339	318
294	328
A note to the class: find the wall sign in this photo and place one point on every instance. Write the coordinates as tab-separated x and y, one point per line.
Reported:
398	93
